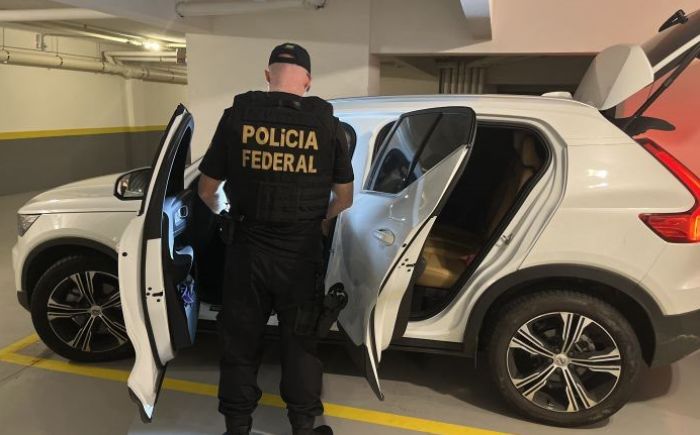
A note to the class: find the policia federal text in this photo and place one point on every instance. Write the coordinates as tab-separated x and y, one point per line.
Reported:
279	161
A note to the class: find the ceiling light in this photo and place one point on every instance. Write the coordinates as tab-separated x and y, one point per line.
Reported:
152	45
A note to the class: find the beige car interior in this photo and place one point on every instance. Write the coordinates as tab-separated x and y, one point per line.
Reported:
450	249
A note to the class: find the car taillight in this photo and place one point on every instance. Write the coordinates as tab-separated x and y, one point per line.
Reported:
675	227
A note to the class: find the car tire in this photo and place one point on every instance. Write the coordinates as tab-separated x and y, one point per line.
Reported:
535	376
76	310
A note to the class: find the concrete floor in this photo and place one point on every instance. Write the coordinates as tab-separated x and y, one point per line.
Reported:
37	398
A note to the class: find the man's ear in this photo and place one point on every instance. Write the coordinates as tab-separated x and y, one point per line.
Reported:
308	84
267	75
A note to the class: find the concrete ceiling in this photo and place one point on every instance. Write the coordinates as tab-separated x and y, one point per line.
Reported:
30	4
115	24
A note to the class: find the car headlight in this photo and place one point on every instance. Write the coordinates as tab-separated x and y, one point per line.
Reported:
25	221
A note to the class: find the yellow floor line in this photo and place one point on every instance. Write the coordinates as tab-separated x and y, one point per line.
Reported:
9	355
20	344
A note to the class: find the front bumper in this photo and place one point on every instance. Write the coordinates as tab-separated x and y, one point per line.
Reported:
676	337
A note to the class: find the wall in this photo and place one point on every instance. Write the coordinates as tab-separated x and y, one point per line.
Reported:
233	58
61	126
532	74
399	78
532	26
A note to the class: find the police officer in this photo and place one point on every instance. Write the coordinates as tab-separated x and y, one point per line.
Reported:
285	162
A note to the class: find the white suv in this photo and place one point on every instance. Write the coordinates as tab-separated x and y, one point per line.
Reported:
535	229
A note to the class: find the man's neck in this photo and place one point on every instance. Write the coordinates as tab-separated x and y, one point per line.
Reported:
288	90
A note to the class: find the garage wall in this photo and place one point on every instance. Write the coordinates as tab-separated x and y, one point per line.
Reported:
521	74
58	126
532	26
233	58
400	78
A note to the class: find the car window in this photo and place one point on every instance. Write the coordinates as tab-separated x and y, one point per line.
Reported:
416	145
445	138
397	154
381	137
666	42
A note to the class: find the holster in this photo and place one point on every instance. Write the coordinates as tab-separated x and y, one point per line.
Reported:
227	226
316	319
333	303
307	319
307	314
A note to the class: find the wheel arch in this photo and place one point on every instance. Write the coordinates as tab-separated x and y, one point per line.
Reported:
627	296
47	253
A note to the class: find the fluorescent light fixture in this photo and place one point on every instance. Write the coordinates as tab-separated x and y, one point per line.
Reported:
152	45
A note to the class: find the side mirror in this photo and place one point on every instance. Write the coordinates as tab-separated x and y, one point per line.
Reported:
132	185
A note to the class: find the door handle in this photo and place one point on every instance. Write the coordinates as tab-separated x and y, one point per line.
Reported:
385	236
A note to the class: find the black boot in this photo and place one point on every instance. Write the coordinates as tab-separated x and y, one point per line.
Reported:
240	430
238	426
320	430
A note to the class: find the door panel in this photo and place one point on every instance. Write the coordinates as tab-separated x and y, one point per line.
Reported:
160	308
379	239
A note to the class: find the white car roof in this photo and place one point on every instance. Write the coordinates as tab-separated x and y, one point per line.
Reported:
484	102
577	122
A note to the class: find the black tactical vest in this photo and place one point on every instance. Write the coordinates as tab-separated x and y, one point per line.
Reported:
281	164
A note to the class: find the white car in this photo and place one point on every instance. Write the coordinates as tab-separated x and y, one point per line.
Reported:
535	229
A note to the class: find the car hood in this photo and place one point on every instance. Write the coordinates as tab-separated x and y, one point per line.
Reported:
91	195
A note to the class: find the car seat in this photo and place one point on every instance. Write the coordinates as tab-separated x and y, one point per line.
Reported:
449	249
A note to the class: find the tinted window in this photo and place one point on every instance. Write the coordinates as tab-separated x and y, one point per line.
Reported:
418	143
663	44
449	134
381	137
397	154
350	136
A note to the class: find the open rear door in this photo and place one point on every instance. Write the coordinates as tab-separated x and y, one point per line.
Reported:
379	239
155	281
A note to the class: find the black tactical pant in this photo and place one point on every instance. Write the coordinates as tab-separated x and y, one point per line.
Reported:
258	280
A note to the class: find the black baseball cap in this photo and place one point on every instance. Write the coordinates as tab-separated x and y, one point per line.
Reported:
291	53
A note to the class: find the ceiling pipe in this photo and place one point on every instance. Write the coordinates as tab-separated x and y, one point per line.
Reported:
147	59
145	56
141	53
70	33
213	8
141	56
18	15
16	57
107	35
165	40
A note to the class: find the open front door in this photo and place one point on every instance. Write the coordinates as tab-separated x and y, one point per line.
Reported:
155	268
379	239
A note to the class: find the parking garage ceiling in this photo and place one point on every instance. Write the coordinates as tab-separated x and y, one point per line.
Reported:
115	24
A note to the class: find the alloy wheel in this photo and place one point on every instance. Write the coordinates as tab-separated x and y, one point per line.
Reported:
84	312
563	362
